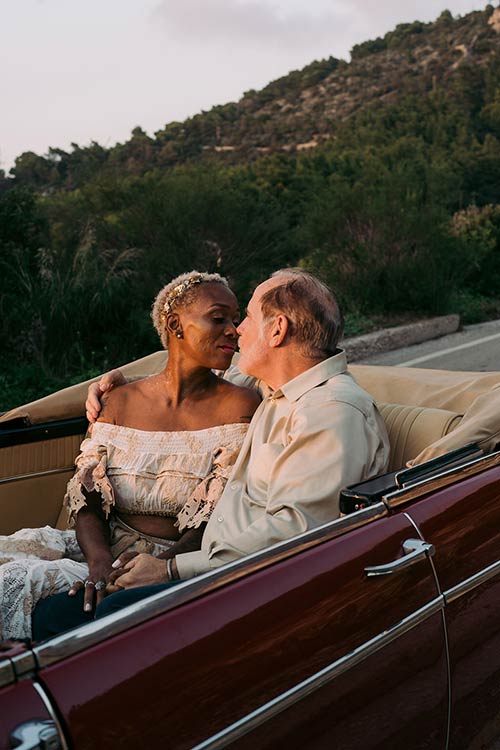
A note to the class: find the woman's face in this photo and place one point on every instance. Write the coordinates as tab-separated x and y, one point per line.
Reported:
208	326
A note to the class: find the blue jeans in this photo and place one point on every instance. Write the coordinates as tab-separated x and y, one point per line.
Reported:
115	602
61	612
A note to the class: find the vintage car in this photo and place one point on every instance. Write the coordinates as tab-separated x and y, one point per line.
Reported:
380	629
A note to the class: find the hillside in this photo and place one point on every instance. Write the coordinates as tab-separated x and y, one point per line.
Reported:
297	112
381	175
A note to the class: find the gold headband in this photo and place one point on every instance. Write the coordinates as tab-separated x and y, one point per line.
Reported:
178	291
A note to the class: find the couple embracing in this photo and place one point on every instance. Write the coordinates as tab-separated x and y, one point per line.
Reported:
185	470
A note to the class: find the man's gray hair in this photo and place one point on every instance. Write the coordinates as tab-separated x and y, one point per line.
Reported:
311	309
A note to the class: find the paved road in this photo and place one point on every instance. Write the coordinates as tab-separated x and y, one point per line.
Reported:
474	348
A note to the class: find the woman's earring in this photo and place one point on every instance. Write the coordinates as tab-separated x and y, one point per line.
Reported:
178	335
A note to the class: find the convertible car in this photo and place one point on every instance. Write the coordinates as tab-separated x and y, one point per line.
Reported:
380	629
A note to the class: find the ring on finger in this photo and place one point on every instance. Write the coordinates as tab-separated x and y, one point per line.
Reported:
100	585
89	583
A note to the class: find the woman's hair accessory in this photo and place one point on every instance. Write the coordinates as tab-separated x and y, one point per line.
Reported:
178	291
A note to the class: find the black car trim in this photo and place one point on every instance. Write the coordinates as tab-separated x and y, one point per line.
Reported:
442	479
373	490
65	645
47	431
318	680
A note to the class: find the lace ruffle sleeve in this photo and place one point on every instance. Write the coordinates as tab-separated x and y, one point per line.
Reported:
200	504
90	476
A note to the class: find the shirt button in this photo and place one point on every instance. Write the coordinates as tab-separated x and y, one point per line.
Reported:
220	519
235	485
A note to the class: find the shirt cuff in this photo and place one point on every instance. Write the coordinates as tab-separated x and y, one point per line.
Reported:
190	564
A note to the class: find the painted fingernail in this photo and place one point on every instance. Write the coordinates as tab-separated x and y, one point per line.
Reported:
117	563
87	607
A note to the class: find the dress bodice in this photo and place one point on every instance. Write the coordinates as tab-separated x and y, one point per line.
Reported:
152	473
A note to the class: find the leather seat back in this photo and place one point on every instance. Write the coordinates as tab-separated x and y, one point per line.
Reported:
413	428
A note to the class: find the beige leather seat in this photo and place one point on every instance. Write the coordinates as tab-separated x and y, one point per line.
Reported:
413	428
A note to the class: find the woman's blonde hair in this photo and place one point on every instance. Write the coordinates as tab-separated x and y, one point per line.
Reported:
179	293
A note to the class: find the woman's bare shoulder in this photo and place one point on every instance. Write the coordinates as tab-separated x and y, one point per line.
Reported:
240	401
116	401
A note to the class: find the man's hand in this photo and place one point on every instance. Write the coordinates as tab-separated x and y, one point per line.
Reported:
119	570
97	390
142	570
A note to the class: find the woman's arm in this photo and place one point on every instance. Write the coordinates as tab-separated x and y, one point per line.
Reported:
92	533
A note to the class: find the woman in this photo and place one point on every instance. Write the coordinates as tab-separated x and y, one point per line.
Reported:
154	467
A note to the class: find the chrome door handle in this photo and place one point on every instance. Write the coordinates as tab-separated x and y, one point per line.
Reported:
414	550
36	735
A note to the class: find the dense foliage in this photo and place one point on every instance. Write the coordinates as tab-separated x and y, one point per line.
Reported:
397	204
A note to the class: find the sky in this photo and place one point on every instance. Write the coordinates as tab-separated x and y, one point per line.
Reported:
77	72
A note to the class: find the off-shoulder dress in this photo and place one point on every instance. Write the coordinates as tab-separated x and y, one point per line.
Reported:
178	475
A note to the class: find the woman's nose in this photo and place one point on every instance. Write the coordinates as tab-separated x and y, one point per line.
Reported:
231	330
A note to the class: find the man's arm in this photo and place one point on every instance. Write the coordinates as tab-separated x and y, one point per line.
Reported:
331	445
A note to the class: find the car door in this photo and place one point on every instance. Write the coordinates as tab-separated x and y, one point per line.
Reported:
295	646
26	716
463	523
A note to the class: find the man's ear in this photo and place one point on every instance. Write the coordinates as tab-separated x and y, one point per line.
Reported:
279	330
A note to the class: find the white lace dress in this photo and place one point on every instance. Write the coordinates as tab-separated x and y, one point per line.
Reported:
174	474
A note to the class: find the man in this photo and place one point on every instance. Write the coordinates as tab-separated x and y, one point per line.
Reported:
316	432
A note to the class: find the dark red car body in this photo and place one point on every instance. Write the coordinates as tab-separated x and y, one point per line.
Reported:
297	646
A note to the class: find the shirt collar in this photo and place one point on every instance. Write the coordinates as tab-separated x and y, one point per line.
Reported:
312	377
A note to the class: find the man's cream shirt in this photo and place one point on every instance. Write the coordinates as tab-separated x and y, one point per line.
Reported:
313	436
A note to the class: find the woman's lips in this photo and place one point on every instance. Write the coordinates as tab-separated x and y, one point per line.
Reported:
229	348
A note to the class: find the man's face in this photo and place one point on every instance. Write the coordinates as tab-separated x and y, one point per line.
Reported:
255	351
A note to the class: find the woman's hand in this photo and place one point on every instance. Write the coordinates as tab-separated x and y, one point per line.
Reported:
97	390
94	585
118	570
141	570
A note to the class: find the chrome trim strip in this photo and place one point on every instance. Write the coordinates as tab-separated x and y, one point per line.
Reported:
434	573
471	583
448	676
24	664
7	674
443	479
410	520
318	680
20	477
48	705
85	636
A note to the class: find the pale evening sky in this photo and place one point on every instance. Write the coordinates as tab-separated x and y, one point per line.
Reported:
82	71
